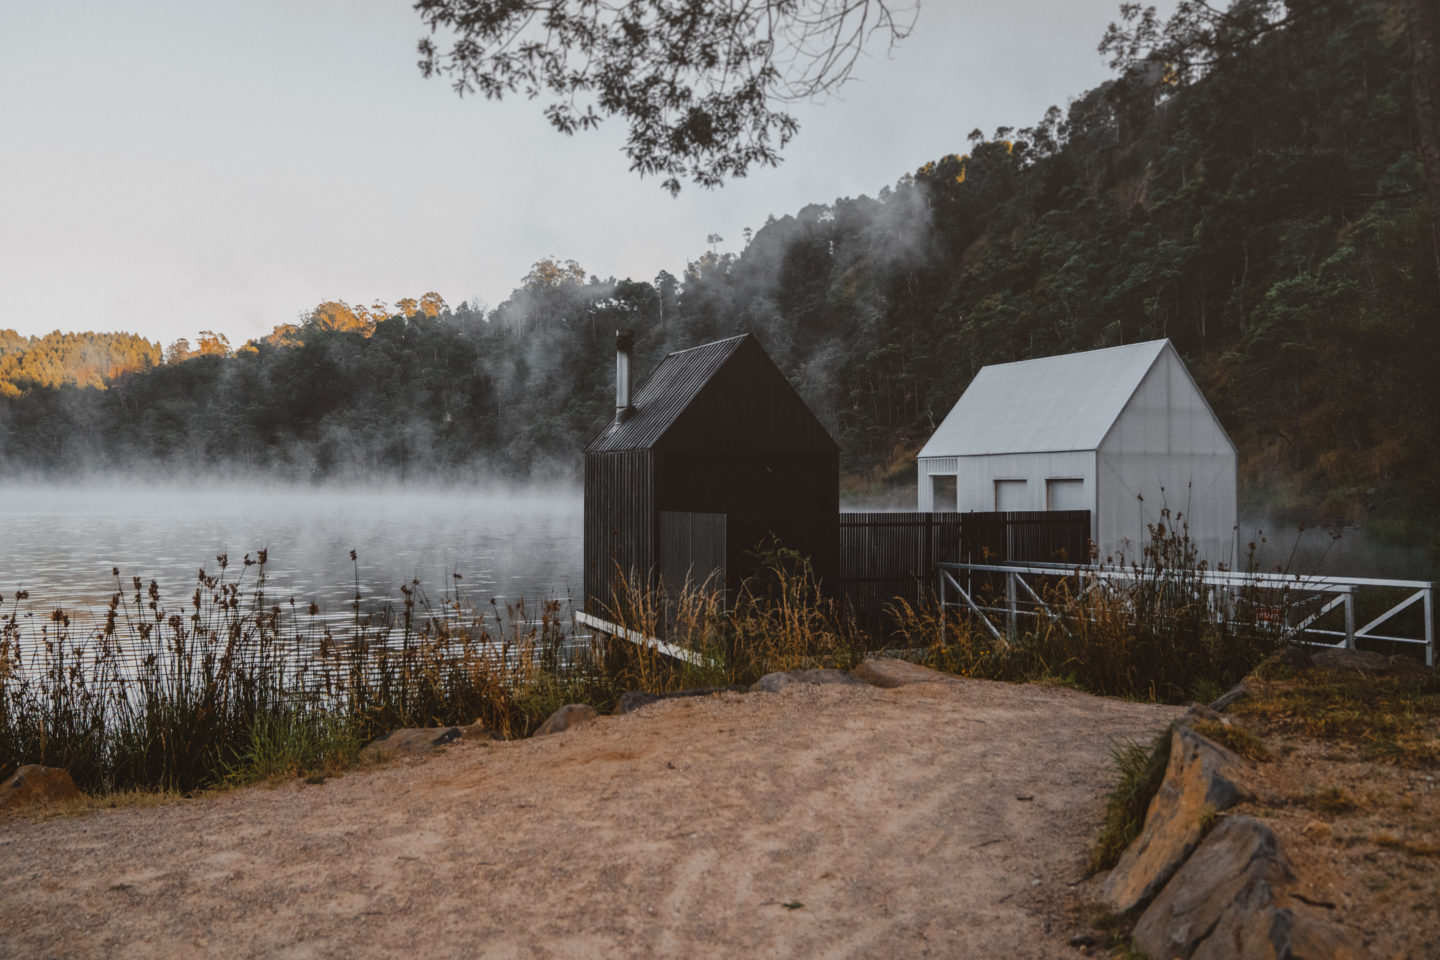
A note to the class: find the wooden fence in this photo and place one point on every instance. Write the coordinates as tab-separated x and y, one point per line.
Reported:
882	556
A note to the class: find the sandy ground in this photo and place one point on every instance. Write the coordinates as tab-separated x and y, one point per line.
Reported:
936	820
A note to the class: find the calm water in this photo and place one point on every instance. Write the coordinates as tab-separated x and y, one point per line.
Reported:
61	544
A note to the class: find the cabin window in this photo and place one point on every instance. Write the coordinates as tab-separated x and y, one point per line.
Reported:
1065	493
1011	495
944	494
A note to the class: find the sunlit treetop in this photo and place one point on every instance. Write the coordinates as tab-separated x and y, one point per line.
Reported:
702	86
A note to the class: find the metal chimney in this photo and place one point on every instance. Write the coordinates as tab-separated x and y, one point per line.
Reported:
624	343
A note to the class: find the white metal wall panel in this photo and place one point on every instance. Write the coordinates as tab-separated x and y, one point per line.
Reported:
1012	495
976	476
926	468
1066	494
1166	450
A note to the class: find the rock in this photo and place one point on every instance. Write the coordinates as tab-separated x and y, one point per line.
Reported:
774	682
1295	656
632	700
1200	713
1313	936
409	742
1338	658
1364	661
478	732
1202	777
34	784
1237	692
568	716
1231	877
888	672
1228	903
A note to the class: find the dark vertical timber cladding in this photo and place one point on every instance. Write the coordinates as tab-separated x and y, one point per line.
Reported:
1021	536
620	523
692	550
747	446
716	429
1026	536
884	556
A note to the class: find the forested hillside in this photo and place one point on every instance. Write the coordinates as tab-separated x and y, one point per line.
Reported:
1262	204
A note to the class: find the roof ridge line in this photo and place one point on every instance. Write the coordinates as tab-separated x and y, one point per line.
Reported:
712	343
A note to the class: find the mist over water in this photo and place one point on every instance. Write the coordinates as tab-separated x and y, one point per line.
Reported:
61	542
1322	551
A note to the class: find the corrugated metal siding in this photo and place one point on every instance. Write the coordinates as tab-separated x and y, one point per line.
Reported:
976	476
1166	450
1050	403
664	396
620	522
717	430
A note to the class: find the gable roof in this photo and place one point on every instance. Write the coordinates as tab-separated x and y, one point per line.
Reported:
659	403
1067	402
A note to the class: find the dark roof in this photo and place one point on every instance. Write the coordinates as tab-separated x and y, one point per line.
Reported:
676	381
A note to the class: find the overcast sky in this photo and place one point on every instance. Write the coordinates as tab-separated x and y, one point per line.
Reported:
167	167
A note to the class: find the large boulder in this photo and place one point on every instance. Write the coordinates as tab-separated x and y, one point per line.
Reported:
1363	661
34	784
775	682
568	716
888	672
1228	903
1201	779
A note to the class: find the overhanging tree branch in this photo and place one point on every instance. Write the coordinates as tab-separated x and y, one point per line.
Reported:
701	84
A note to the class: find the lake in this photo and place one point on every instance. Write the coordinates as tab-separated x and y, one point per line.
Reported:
61	542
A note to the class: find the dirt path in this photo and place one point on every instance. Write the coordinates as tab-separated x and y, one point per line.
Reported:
938	820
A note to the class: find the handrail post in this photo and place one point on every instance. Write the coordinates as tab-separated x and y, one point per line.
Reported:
1350	619
1430	625
941	574
1010	602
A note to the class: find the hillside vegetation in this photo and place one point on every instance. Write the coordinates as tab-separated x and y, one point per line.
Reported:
1262	204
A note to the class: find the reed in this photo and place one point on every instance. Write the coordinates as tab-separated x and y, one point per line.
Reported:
231	687
778	619
1158	634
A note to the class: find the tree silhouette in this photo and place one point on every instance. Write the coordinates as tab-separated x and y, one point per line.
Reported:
702	86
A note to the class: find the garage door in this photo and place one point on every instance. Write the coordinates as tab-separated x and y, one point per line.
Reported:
1011	495
1065	494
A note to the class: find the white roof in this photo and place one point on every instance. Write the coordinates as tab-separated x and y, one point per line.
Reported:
1067	402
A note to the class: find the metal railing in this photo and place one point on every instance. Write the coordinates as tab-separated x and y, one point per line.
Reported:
1301	607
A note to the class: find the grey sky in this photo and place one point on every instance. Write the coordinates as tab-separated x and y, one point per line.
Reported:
167	167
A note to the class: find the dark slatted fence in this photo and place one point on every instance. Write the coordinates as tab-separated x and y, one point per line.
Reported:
882	556
1026	536
888	555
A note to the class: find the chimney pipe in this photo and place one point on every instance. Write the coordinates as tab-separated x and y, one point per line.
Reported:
624	343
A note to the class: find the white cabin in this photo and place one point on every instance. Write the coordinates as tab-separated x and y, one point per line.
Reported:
1122	432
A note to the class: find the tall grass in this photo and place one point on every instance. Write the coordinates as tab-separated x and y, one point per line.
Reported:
1159	633
231	686
779	619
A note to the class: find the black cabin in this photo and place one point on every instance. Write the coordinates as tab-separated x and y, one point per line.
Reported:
715	453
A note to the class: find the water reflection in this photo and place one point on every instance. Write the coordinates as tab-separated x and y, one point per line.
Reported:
61	543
